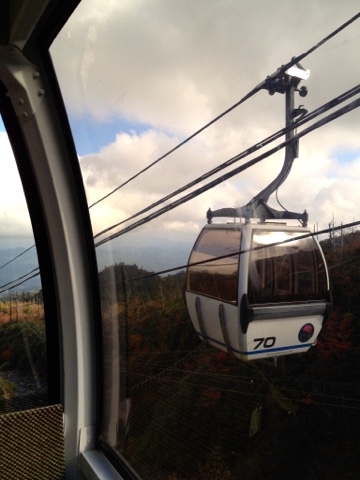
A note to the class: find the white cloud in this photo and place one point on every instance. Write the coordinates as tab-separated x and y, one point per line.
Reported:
201	55
14	216
173	66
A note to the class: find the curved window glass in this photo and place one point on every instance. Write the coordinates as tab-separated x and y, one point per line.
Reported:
218	277
138	78
285	272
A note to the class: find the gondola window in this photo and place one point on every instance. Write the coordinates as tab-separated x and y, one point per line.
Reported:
285	272
218	277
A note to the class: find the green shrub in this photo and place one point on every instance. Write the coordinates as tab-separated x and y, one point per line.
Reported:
7	389
23	347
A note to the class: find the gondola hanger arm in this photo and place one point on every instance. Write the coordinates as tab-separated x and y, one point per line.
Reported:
285	83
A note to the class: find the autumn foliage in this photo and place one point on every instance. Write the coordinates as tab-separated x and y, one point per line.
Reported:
192	404
336	336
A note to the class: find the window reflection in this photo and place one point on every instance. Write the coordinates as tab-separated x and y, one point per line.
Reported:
216	278
175	408
291	271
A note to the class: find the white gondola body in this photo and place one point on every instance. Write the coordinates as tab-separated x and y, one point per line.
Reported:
284	317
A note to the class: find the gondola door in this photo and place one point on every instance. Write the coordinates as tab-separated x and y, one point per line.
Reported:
287	298
212	286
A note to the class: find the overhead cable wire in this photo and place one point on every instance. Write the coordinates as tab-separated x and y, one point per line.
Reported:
306	118
20	283
255	90
243	99
245	378
15	258
160	377
252	92
19	278
232	254
3	289
261	380
190	196
220	377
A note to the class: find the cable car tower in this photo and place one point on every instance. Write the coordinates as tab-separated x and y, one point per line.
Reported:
287	84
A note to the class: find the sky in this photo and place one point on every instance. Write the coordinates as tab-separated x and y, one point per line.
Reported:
14	216
140	76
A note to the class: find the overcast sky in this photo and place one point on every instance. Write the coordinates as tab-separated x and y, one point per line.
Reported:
140	76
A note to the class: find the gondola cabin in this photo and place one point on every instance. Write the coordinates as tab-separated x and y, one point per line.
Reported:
257	290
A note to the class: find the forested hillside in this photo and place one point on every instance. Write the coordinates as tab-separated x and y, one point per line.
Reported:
213	416
238	420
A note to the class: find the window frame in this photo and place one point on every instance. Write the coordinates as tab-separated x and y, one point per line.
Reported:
48	164
38	222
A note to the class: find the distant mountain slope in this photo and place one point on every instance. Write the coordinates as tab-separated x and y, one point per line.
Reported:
17	268
150	258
